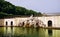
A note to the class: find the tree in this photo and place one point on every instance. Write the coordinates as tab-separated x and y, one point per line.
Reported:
1	0
7	9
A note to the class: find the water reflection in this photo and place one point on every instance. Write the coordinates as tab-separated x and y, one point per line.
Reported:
50	32
1	32
8	31
28	32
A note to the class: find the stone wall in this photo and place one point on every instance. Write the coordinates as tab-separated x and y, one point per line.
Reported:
18	20
9	20
55	20
1	22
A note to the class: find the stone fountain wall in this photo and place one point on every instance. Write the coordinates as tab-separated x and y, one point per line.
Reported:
16	21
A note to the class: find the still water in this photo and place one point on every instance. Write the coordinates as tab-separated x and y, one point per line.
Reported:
28	32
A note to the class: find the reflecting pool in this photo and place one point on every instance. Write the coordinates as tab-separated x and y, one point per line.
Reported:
28	32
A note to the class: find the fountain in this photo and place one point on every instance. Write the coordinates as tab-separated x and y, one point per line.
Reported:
32	22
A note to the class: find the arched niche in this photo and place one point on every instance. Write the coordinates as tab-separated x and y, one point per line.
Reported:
11	23
49	23
6	23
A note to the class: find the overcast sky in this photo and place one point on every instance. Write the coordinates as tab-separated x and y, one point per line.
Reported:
44	6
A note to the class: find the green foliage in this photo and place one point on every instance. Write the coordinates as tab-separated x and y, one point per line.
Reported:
7	8
1	0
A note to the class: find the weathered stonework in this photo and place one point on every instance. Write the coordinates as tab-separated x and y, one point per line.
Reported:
1	22
54	19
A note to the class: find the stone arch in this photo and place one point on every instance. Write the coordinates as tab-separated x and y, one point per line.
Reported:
49	23
22	23
6	23
11	23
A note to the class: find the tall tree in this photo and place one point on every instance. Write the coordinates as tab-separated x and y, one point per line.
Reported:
6	8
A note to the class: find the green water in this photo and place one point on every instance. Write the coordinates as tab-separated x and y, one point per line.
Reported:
28	32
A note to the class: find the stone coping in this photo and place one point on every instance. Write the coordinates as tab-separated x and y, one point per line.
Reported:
38	27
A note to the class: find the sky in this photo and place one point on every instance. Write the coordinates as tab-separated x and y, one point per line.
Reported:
44	6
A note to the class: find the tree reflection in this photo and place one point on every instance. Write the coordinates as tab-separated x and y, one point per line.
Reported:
1	31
